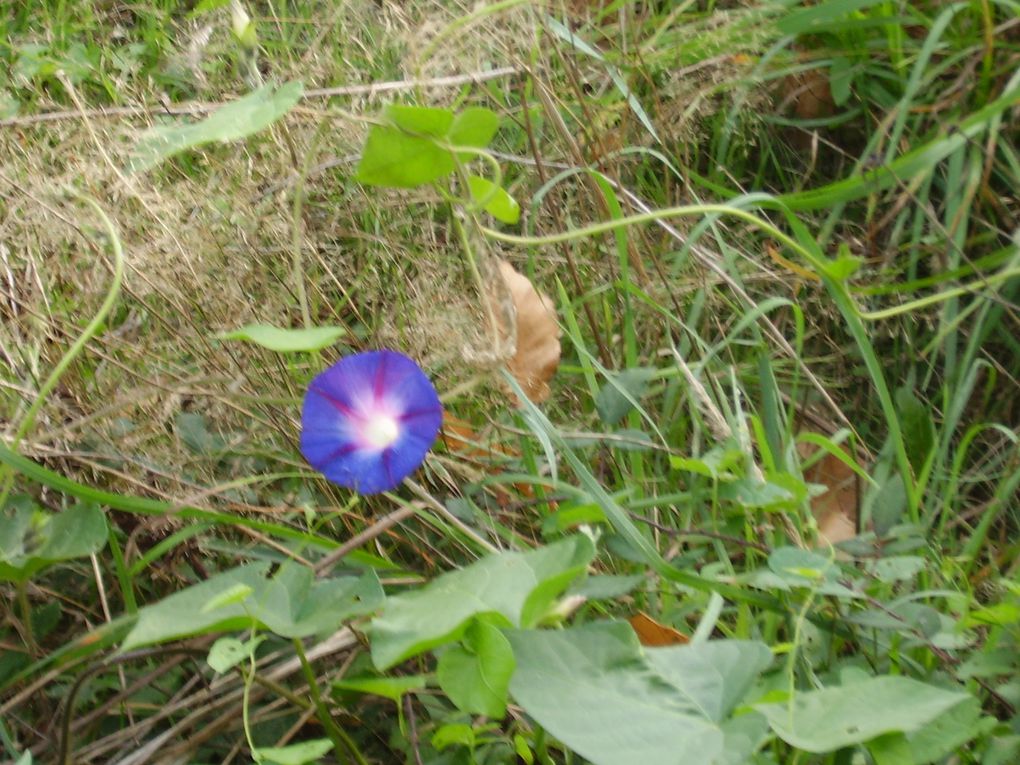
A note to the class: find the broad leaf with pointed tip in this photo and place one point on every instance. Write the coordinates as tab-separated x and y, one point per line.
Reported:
292	604
832	718
517	588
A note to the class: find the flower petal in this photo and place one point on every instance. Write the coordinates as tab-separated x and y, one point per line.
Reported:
343	401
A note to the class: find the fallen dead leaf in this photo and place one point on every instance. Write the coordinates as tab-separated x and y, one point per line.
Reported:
653	633
835	511
538	345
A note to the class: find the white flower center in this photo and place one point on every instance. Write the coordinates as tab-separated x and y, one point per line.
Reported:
381	431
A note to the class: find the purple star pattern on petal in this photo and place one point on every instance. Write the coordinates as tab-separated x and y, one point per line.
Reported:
369	420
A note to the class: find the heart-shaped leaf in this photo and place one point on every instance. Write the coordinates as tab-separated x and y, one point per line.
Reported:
516	587
832	718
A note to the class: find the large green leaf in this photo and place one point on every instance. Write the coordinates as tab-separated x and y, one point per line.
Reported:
476	675
291	603
591	688
286	340
519	587
238	119
831	718
31	540
714	676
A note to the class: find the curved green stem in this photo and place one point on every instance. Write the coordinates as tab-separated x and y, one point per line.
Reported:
90	331
342	742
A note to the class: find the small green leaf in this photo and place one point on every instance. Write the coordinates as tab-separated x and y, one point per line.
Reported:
453	734
475	126
476	676
229	597
618	395
841	75
898	568
822	16
295	754
287	340
238	119
494	199
31	540
404	153
918	427
228	652
889	504
388	687
891	749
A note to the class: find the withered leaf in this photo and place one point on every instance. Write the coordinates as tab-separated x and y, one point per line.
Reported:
538	344
835	511
653	633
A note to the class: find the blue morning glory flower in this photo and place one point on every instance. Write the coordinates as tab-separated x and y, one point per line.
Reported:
369	420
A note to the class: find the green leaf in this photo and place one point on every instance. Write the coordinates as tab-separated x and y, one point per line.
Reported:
494	200
423	120
817	18
590	687
295	754
238	593
475	126
889	504
714	676
832	718
238	119
520	587
476	675
621	391
841	77
228	652
287	340
898	568
891	749
607	586
948	732
778	492
291	604
918	427
717	463
403	153
453	734
392	688
31	540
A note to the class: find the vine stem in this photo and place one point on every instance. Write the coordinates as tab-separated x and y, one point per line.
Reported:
342	742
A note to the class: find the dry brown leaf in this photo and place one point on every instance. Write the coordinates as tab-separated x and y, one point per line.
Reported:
835	511
538	344
460	438
653	633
